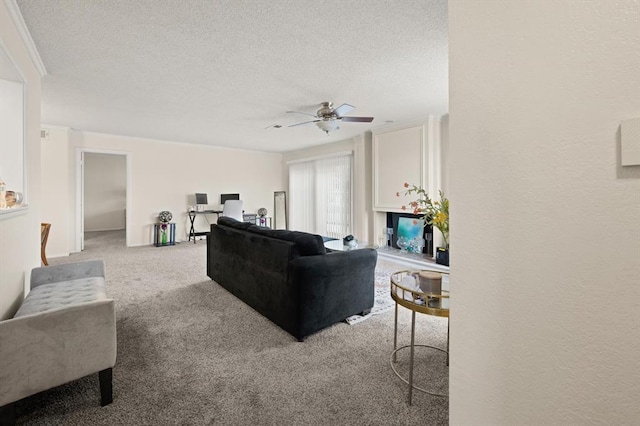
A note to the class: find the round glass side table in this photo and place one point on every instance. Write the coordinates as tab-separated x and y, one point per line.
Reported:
426	292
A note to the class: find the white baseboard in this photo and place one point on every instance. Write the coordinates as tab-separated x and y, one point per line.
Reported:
56	255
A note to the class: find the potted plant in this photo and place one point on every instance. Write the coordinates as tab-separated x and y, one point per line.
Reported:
434	213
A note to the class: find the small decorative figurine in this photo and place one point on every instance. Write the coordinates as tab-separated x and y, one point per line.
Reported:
165	216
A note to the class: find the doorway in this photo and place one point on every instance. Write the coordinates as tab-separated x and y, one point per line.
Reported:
102	198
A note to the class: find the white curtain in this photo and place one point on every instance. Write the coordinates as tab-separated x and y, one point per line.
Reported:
320	196
302	197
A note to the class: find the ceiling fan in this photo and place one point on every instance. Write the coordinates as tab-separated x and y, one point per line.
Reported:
327	118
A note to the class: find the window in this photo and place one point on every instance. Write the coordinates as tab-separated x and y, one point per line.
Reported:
320	196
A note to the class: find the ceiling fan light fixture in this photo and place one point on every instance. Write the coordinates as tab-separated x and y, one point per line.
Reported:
328	119
328	125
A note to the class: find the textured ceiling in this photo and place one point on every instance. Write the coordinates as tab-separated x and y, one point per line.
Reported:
221	72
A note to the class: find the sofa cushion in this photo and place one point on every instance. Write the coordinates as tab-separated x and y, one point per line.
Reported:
46	297
307	244
232	223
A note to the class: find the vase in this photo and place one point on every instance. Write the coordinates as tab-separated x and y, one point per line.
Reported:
442	256
403	244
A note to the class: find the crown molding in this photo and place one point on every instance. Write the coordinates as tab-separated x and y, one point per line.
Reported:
21	26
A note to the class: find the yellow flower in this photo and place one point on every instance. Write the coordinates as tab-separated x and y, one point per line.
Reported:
440	219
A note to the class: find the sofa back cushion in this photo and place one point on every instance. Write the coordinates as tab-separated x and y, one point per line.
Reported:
232	223
307	244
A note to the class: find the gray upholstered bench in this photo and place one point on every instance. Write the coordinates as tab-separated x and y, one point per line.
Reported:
65	329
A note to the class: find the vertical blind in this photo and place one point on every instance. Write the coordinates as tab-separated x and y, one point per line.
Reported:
320	196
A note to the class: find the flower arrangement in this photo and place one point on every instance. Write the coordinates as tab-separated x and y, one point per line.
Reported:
433	212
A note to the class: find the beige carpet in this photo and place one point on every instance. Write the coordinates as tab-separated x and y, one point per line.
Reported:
191	353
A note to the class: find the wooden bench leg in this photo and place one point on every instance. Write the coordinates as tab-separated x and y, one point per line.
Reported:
8	415
106	386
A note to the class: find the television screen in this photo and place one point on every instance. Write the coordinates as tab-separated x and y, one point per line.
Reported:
201	199
225	197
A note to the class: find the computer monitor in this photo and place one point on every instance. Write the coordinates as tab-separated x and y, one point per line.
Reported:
225	197
201	199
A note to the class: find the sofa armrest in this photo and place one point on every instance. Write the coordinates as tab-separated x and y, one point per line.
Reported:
333	286
337	271
66	272
44	350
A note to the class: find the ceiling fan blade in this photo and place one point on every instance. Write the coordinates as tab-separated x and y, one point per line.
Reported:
343	109
304	122
358	119
304	113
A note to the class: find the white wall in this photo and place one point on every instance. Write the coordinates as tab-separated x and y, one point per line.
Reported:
545	259
105	192
55	170
166	175
20	234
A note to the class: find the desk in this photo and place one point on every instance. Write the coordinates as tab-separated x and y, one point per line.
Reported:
414	292
192	218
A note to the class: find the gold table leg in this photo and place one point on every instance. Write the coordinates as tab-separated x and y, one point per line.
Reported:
411	357
413	335
395	334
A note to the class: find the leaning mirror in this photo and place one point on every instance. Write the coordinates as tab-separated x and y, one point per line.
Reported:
12	146
280	210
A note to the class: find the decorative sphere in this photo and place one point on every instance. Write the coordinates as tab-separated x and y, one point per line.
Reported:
165	216
262	211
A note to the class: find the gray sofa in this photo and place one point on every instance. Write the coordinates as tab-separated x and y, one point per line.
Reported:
289	277
65	329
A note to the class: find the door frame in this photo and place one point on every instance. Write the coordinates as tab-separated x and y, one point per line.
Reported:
79	229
